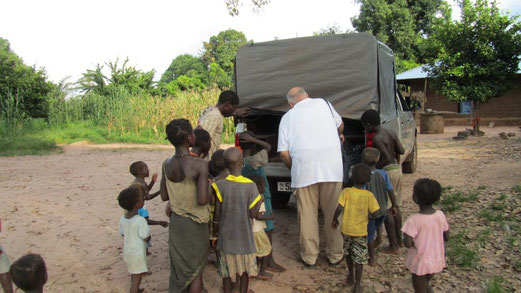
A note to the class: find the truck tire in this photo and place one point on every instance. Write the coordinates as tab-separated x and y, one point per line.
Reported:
279	200
410	164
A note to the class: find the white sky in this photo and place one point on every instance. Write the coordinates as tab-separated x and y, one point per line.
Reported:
67	37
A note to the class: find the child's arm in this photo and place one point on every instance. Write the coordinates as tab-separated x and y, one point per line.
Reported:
254	211
263	217
203	196
147	239
248	138
162	188
338	211
152	195
215	222
152	182
394	207
446	235
407	241
164	224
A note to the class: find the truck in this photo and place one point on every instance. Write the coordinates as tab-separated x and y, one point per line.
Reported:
354	72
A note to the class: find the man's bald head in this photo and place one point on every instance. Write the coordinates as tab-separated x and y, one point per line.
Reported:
232	158
296	95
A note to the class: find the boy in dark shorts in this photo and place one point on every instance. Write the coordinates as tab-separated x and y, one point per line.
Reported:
381	187
387	142
140	171
238	201
356	203
29	273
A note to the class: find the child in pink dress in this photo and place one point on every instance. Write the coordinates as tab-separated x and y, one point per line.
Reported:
424	235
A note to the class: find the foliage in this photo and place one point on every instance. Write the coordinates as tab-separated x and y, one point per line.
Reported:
494	285
477	55
459	252
187	65
451	200
133	80
329	30
233	6
221	49
27	83
403	25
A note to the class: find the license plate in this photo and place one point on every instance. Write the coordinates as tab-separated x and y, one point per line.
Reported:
284	186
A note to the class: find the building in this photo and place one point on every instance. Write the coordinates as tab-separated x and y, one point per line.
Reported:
504	110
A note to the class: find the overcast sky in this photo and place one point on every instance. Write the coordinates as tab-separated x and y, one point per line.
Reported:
69	36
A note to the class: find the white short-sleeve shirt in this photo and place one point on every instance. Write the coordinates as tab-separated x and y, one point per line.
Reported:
134	230
309	131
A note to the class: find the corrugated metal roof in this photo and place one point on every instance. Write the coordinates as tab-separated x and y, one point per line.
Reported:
419	73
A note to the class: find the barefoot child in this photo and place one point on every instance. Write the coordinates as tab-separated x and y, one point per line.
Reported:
424	234
5	266
136	233
388	143
381	187
238	202
255	153
356	203
140	171
29	273
262	242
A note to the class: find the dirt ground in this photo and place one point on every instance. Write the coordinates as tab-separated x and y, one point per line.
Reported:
63	206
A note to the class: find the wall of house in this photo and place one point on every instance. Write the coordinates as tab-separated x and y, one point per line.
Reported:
506	106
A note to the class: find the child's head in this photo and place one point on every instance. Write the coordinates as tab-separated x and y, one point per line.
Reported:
131	197
139	168
370	156
228	102
259	181
202	141
361	174
216	164
233	158
370	120
426	191
246	145
29	272
178	131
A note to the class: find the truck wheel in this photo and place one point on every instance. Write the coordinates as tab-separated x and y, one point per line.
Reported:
279	200
410	164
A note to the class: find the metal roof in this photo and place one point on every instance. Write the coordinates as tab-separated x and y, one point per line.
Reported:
419	73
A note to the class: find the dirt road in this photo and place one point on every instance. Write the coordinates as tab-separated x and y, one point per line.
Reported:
64	207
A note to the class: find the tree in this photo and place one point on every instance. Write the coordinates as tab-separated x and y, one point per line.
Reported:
477	56
185	64
329	30
233	6
222	48
29	84
401	24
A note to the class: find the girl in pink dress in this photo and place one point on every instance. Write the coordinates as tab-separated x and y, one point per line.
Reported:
424	235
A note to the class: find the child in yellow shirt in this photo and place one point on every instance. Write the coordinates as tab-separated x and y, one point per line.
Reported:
356	203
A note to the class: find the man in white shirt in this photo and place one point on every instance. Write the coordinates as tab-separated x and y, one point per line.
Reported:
310	135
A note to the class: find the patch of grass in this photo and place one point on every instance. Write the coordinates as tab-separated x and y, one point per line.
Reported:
26	145
483	236
495	285
513	241
451	200
517	188
502	196
491	215
517	265
459	251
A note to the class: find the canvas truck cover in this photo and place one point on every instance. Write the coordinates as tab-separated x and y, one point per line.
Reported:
354	72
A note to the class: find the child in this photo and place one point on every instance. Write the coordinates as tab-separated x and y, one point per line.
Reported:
381	187
29	273
386	141
238	201
255	153
202	144
356	203
424	234
262	242
5	266
136	232
140	170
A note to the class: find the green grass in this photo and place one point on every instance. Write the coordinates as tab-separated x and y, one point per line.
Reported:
495	285
491	215
451	199
26	145
483	236
459	252
503	196
517	265
517	188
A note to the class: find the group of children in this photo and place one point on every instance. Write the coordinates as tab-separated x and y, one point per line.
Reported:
241	219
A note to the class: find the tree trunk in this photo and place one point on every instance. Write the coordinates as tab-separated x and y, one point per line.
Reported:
475	118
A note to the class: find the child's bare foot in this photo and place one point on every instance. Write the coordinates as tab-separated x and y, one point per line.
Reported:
274	267
350	280
148	253
371	262
390	250
357	289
